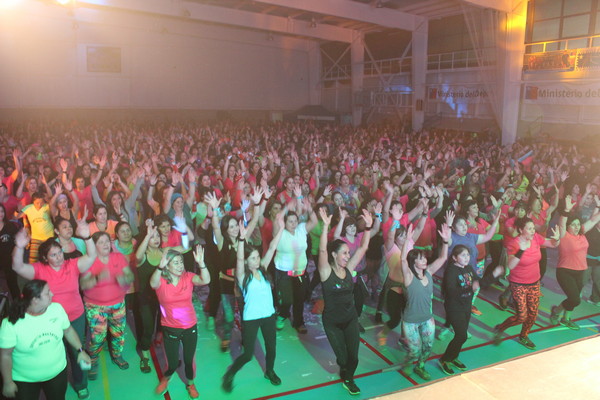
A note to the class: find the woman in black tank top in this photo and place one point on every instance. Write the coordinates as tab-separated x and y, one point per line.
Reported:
340	320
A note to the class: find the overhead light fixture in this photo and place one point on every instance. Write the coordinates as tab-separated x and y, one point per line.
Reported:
379	4
313	22
63	2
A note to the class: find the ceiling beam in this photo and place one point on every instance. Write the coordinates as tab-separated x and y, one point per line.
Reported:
224	16
500	5
353	10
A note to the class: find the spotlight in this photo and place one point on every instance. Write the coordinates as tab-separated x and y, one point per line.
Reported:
63	2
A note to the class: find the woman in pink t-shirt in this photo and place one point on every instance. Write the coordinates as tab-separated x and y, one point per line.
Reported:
104	287
174	288
524	255
63	280
572	262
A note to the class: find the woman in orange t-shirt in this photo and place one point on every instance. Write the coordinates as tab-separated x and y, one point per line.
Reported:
571	263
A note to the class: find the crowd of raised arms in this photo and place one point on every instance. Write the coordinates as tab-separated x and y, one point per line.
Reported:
141	213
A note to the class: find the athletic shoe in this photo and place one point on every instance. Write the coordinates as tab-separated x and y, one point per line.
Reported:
120	362
280	324
446	368
83	393
361	328
378	318
162	386
595	303
526	342
225	345
422	373
569	324
351	387
227	384
381	339
459	365
475	311
301	329
554	314
273	378
210	324
145	366
192	391
497	335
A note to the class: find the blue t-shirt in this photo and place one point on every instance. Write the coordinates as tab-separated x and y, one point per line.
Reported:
470	241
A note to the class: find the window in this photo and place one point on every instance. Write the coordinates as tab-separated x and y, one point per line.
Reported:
551	20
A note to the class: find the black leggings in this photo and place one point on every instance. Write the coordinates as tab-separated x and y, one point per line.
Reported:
359	291
344	338
214	293
459	320
543	263
148	313
249	334
54	389
189	338
395	303
571	282
291	292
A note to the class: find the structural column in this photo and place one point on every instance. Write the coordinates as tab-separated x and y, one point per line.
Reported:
511	71
314	73
357	50
419	74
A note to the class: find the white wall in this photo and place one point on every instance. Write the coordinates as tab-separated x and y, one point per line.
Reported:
166	63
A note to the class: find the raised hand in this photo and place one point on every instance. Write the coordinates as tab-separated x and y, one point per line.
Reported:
569	203
198	254
445	233
378	208
257	196
22	239
324	216
555	233
68	185
83	229
212	200
368	218
243	230
449	217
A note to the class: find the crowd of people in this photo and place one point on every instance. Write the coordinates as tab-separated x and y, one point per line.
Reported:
116	216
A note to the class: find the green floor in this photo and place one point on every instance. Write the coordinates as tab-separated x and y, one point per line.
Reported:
307	366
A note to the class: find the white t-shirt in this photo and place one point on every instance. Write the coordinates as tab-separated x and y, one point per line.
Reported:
258	300
39	352
291	250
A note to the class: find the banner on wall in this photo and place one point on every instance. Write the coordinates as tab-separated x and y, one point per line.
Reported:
456	94
558	61
584	93
588	59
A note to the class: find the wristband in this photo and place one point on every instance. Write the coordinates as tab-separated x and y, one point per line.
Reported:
519	253
86	238
378	215
368	228
300	197
443	241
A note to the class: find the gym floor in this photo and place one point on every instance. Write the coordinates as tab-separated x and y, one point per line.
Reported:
306	363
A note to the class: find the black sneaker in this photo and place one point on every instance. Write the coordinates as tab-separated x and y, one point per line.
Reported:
272	376
83	393
378	318
301	329
526	342
569	324
351	387
446	368
227	384
361	328
459	365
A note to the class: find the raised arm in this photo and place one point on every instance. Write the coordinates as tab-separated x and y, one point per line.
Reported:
323	266
490	232
595	218
155	278
83	231
445	234
204	277
214	202
140	253
364	244
18	265
266	260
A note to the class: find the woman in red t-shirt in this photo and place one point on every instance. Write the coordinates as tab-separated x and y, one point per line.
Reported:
524	255
104	287
572	262
174	288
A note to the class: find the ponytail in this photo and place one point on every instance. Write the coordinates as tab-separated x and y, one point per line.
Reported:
31	290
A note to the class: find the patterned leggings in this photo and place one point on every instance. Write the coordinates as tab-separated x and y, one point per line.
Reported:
102	319
419	340
527	302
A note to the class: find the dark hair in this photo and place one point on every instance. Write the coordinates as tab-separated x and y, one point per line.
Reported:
333	247
97	235
32	289
458	218
109	207
347	222
248	275
459	249
572	218
411	257
290	214
59	220
521	222
119	225
98	207
45	248
5	219
225	226
37	195
162	218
